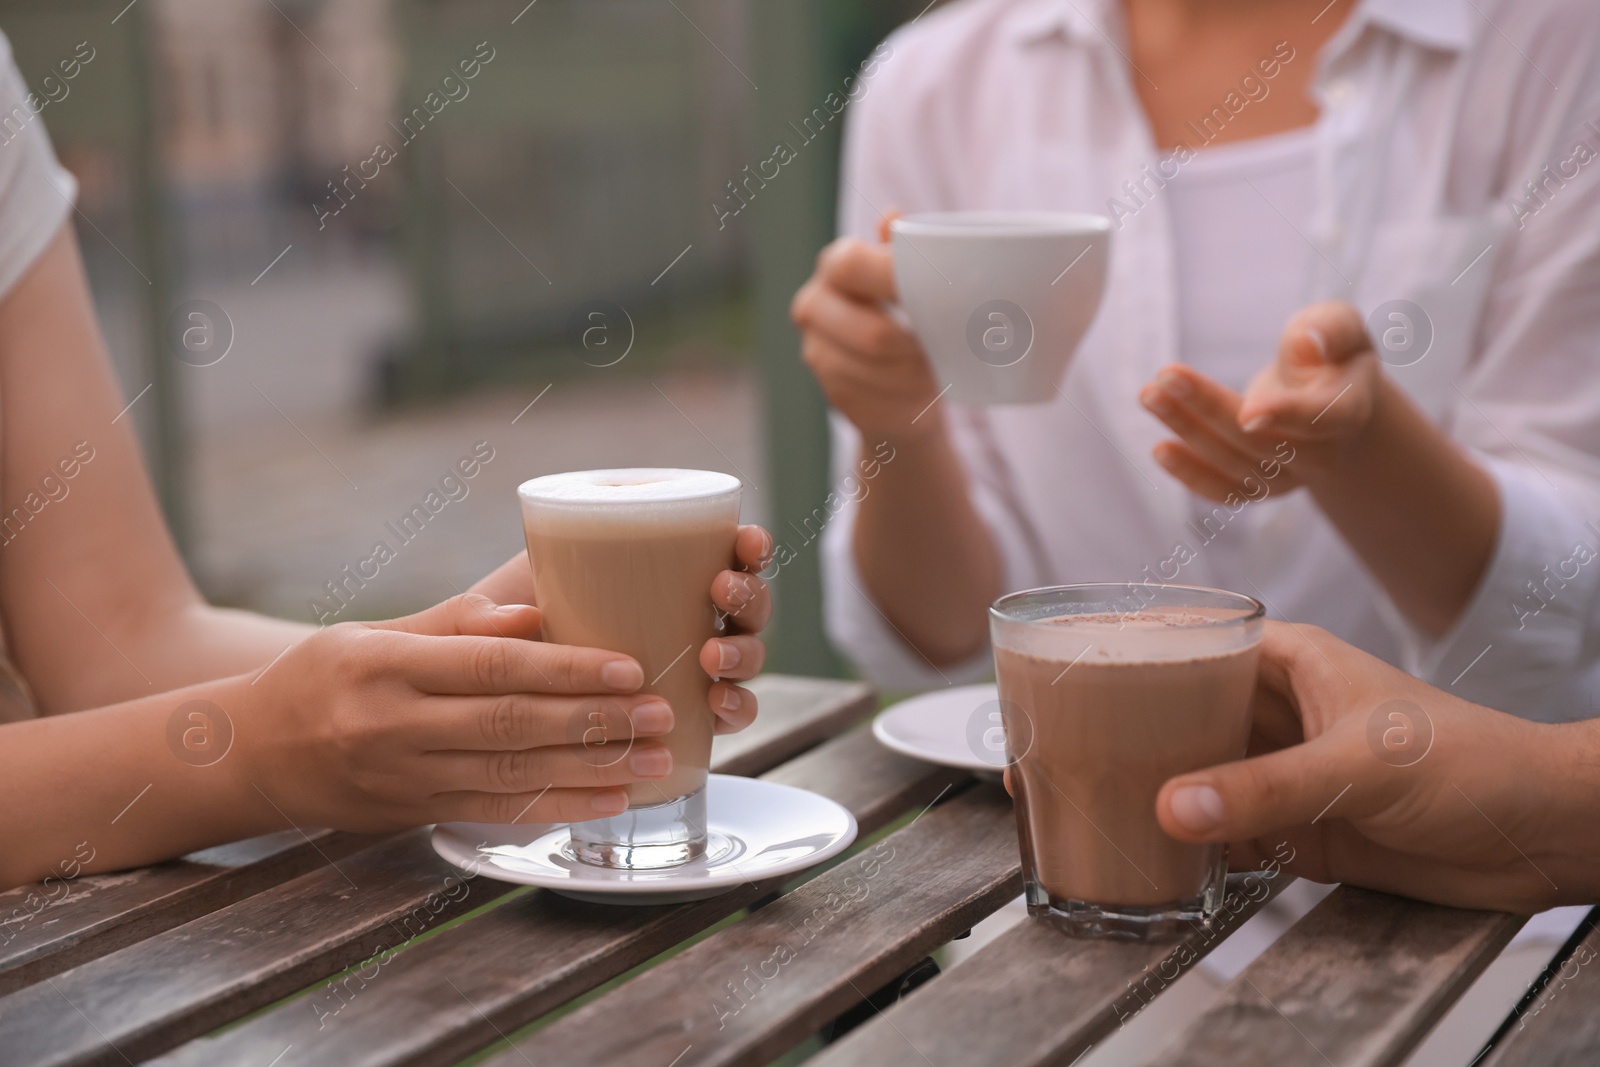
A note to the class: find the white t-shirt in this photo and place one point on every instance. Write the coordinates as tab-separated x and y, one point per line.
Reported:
36	192
1239	214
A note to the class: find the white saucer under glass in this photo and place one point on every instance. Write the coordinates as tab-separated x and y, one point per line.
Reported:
756	831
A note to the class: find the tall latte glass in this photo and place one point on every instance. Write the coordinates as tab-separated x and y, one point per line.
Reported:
623	560
1107	691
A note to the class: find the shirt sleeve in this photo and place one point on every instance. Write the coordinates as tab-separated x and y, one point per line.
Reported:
36	193
1529	410
889	165
1525	643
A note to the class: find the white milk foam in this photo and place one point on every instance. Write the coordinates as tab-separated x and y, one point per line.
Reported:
630	496
1151	635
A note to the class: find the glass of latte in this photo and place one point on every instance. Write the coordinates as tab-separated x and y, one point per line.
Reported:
624	560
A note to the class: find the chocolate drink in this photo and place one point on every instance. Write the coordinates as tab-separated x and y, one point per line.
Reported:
1102	734
624	560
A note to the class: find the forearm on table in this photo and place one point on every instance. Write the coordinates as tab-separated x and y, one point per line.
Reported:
927	558
120	787
1421	514
209	642
1565	770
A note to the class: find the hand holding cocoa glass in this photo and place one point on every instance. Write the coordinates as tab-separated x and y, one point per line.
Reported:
1106	692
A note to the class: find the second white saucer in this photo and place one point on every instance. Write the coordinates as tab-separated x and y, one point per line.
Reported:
955	727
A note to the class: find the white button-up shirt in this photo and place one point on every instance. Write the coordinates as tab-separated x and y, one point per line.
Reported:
1457	168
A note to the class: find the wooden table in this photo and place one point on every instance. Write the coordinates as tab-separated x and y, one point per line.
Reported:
346	949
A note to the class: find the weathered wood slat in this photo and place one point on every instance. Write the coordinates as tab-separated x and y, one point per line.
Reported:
853	771
754	989
175	985
1035	996
1561	1028
1358	982
442	999
144	998
100	913
795	714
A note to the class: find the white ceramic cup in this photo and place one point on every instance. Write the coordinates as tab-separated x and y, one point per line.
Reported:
1000	299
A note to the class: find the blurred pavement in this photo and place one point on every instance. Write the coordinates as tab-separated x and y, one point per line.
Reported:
293	479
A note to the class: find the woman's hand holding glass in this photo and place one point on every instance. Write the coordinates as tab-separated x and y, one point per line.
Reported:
460	713
742	599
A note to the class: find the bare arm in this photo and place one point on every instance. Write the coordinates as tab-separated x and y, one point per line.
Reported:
458	712
359	727
919	520
97	604
449	714
1425	527
102	786
924	553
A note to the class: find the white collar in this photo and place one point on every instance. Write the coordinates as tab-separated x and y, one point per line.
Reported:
1441	24
1032	21
1446	25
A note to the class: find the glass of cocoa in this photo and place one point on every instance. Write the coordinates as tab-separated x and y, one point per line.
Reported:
1106	692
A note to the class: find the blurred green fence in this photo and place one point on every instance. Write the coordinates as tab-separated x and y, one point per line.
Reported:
575	170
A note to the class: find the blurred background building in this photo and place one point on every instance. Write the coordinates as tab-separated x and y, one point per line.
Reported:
335	244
